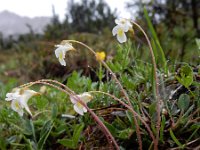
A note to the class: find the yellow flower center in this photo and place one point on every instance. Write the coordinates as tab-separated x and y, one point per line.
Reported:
79	105
17	106
100	56
120	32
60	56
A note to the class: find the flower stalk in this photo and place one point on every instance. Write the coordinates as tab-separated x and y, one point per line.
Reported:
157	96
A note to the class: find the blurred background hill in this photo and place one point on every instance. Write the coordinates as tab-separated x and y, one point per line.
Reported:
12	24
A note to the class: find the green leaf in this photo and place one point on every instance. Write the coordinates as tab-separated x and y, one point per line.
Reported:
162	128
67	143
121	60
130	118
183	101
186	76
111	128
32	129
22	128
152	109
175	139
41	102
195	126
125	134
73	142
3	143
194	133
77	132
189	110
29	144
79	83
46	129
12	139
120	122
54	111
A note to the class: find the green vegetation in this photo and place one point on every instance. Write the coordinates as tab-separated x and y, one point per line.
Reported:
134	114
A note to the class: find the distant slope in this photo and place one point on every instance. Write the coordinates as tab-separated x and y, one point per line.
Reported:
13	24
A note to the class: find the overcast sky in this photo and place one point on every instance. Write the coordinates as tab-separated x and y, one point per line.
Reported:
32	8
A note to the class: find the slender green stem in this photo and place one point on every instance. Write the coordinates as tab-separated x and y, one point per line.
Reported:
159	102
100	73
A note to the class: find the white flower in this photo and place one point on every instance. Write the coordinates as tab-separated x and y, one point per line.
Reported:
124	23
78	107
119	31
61	51
19	98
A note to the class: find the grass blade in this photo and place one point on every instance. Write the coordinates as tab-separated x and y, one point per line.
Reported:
47	127
175	139
158	51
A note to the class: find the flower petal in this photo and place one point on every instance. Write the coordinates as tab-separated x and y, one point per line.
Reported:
27	109
125	27
57	52
84	109
78	109
9	97
117	21
121	38
115	30
129	24
62	62
124	23
26	95
68	47
100	56
12	96
57	45
30	93
60	54
20	112
86	97
73	99
16	106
